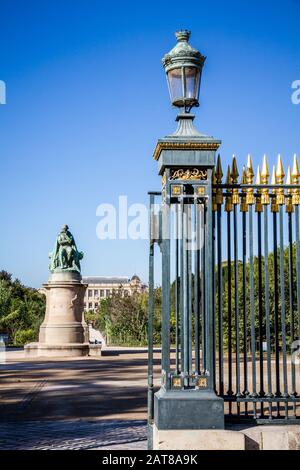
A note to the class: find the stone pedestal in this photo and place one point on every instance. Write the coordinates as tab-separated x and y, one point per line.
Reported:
238	437
63	331
188	409
197	439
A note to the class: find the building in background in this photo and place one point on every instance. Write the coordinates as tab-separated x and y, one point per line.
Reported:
101	287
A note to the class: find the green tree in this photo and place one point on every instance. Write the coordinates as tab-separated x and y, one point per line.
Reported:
22	310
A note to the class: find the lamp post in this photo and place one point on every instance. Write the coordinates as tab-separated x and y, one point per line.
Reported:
186	400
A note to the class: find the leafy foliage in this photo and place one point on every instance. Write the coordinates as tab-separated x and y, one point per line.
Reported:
22	310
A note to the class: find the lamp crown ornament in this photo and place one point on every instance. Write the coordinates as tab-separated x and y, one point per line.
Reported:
183	35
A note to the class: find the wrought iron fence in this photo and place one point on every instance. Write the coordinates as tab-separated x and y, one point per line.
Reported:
250	344
258	273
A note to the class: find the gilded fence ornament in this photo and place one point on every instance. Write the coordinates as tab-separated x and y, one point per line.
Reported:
234	179
258	204
280	199
250	199
274	205
295	180
288	199
219	176
189	174
265	197
243	205
228	197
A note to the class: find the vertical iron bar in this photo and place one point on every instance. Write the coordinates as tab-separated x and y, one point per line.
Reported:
203	292
214	298
260	312
236	302
190	298
220	302
196	288
283	310
176	292
182	342
208	284
230	391
165	245
276	312
298	265
245	332
291	295
150	317
252	313
185	297
267	308
292	317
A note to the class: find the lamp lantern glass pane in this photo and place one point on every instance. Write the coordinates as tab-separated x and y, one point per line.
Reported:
174	77
184	86
192	75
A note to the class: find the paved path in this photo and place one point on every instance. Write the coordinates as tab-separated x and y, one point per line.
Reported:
86	403
73	435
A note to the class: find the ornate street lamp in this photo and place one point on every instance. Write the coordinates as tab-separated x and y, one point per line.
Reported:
183	67
186	400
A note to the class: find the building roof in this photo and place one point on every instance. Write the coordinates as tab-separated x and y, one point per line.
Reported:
105	279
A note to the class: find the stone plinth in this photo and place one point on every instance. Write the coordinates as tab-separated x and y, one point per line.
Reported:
63	331
197	439
265	437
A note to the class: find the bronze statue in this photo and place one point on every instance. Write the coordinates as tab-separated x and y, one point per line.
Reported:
65	256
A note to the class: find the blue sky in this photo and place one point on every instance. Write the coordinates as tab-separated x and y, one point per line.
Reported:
87	99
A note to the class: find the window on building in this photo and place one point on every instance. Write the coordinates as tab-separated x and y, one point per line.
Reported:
96	304
96	293
90	293
90	305
101	293
107	293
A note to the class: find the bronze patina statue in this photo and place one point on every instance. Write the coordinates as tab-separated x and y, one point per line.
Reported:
65	256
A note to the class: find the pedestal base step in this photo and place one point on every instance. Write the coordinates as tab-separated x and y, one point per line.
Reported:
58	350
197	439
286	437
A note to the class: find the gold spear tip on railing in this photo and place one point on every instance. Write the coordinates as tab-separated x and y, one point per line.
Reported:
295	180
250	199
258	176
228	197
274	206
288	176
234	170
258	205
289	205
295	170
244	205
265	198
265	170
273	179
244	176
228	176
279	172
250	167
279	180
219	171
